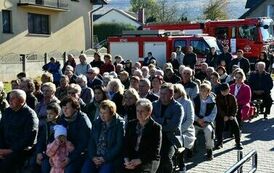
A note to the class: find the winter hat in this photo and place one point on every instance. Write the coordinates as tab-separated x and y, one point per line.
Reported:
59	130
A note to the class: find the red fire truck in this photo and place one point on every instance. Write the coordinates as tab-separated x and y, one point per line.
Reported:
252	35
135	45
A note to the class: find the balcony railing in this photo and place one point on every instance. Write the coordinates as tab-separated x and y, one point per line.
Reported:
59	4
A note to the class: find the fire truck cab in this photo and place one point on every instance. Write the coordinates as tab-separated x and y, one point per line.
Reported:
134	45
253	35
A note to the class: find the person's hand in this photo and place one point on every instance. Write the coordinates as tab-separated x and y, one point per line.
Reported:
96	161
231	118
65	163
4	152
101	160
39	158
225	118
136	162
129	165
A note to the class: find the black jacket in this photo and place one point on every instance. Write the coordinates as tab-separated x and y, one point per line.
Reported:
260	82
150	144
244	64
95	82
152	97
190	60
18	129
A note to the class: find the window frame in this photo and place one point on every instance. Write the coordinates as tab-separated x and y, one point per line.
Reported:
38	24
9	31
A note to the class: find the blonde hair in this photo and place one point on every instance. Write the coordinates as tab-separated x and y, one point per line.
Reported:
145	103
49	85
181	89
118	83
206	86
133	92
110	105
75	88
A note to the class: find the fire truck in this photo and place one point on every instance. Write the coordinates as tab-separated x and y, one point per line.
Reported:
253	35
134	45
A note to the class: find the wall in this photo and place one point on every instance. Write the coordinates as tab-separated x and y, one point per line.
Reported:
69	30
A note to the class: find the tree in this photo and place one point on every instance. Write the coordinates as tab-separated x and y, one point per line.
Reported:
148	5
158	10
216	9
166	11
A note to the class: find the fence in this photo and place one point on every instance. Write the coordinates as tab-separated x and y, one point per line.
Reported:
32	63
241	160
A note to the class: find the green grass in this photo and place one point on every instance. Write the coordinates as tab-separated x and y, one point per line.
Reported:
7	87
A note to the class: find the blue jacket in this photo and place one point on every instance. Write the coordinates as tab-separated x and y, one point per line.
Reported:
171	120
115	135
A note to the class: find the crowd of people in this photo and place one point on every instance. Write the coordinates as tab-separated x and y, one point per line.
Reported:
115	116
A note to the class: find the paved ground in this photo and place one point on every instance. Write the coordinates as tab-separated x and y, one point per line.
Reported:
257	135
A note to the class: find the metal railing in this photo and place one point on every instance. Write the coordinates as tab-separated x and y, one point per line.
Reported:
242	160
48	3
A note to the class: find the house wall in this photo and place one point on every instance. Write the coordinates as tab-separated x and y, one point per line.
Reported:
262	9
69	30
116	17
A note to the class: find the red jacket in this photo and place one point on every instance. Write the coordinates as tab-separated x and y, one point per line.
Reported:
243	99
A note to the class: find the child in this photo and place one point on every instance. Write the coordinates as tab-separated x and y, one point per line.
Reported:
46	134
59	149
227	111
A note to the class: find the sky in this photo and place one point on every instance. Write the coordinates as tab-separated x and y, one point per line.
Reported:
235	7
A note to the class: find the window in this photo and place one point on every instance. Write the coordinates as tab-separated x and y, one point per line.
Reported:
270	11
199	47
38	23
181	43
221	33
6	19
248	32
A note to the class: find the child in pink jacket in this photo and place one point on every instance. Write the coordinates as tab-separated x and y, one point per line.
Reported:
59	149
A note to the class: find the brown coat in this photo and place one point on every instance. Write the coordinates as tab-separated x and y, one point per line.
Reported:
226	105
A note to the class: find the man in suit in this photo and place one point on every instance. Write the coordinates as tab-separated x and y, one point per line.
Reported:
169	113
261	85
144	90
241	61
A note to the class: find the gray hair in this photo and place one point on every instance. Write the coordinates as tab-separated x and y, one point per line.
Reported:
50	85
82	77
95	70
18	93
145	103
75	88
118	83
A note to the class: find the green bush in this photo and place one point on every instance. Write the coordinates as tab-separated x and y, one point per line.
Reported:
104	30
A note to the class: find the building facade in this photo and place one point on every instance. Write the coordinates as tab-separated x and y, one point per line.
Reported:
41	26
259	8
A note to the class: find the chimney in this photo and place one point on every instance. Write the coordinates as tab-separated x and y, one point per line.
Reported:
141	16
